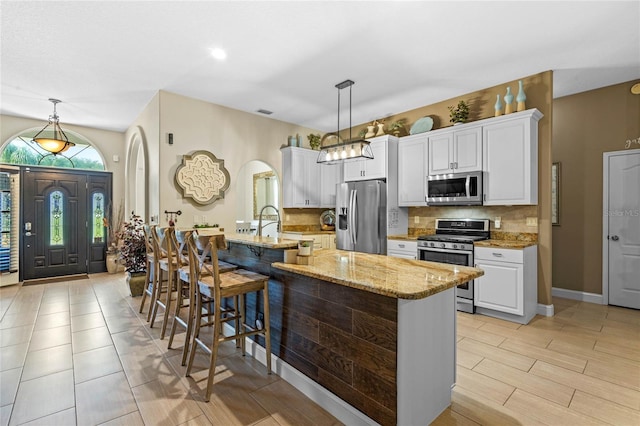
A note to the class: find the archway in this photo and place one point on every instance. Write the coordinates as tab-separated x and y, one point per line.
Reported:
137	176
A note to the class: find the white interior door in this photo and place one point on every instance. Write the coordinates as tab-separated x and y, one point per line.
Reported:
623	238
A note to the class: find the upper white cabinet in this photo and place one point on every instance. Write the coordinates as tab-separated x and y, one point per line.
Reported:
455	151
510	159
305	183
412	170
377	168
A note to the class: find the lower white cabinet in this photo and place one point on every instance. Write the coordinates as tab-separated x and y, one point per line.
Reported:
402	248
320	241
509	287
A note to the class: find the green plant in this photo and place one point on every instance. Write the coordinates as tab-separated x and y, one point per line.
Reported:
305	243
459	113
397	127
314	140
134	250
206	225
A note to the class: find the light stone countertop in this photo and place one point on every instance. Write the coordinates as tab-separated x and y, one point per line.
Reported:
385	275
403	237
507	244
266	242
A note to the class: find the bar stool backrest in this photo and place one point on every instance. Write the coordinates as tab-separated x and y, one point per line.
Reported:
179	240
148	239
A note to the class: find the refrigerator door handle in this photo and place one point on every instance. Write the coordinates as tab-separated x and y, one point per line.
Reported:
354	216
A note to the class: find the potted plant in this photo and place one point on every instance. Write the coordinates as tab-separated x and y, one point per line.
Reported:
459	113
397	127
133	253
314	141
114	227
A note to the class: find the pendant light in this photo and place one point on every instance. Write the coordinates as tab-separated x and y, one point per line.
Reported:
58	142
350	150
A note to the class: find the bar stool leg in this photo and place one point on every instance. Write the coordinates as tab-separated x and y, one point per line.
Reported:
167	306
176	312
157	292
196	332
267	324
240	314
217	332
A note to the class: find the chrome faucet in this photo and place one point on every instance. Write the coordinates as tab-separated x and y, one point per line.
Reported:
260	219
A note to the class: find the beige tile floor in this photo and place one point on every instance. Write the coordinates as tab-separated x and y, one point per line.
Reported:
78	352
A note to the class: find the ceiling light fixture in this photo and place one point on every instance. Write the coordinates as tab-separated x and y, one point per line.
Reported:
218	53
359	149
58	142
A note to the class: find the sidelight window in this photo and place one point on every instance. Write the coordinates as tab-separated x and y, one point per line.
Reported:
56	219
97	207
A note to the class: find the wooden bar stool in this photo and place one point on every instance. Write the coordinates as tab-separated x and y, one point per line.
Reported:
235	284
186	286
150	267
167	266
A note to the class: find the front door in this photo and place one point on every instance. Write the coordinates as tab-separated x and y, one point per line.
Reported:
623	239
60	235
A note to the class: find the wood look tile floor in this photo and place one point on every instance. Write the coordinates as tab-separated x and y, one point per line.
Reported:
78	353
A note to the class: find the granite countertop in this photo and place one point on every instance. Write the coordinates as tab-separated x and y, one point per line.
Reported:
403	237
389	276
266	242
308	232
508	244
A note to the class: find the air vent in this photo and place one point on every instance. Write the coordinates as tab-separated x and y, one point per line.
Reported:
265	111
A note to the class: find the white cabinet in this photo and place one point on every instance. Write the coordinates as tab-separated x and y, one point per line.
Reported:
305	183
402	248
412	170
377	168
510	159
320	241
455	151
508	288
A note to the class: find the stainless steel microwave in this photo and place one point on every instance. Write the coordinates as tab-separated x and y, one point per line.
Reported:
455	189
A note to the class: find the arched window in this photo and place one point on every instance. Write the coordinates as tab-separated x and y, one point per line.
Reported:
21	150
97	209
56	218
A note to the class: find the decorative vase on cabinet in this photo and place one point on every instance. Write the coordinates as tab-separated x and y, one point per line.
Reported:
498	106
520	98
508	101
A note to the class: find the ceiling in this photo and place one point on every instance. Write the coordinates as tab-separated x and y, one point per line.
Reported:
106	60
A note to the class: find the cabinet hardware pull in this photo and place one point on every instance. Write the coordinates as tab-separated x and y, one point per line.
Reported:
497	254
401	245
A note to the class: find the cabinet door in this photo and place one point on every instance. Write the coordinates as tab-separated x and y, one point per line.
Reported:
354	170
467	150
377	168
330	176
439	153
412	170
501	288
510	164
301	178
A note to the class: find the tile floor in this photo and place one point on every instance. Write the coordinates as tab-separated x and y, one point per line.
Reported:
79	353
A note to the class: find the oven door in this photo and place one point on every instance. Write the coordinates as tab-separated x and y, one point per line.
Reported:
464	292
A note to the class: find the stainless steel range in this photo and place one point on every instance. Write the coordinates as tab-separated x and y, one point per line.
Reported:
453	244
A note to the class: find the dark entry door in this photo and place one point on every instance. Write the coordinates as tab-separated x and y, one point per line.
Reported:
54	225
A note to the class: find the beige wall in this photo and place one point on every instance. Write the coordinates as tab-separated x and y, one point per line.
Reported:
108	143
585	126
231	135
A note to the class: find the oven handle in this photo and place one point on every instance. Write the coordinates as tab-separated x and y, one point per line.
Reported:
444	250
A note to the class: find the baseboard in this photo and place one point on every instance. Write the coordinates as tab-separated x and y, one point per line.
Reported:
577	295
60	279
545	310
311	389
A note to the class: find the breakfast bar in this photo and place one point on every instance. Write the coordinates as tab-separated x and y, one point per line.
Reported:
375	331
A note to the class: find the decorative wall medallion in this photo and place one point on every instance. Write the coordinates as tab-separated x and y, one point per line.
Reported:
202	177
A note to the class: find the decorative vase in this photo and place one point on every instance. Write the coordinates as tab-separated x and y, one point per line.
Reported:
112	263
370	132
520	98
508	102
498	106
136	283
380	131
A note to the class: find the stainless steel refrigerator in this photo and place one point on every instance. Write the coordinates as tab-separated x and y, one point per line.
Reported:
362	216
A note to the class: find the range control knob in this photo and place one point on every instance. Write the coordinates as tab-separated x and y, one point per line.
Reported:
433	244
443	245
455	246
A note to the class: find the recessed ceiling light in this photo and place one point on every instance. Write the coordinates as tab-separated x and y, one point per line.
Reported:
218	53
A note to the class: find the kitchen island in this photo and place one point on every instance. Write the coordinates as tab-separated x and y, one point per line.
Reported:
377	332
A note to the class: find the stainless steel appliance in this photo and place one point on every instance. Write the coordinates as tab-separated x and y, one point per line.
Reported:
455	189
453	244
362	216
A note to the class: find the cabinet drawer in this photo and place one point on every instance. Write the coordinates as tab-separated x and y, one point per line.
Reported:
403	246
498	254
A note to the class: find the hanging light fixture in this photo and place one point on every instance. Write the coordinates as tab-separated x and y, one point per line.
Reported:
350	150
58	142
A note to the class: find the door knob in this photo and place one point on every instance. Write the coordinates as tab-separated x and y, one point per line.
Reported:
615	238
